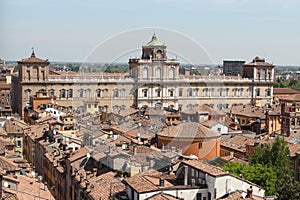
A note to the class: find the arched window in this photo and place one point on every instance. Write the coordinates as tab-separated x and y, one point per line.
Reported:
88	93
70	93
80	93
249	92
105	93
158	92
145	93
257	92
158	73
98	92
234	92
145	72
268	92
122	93
51	92
62	93
205	92
196	92
27	93
220	92
171	73
212	91
116	93
241	92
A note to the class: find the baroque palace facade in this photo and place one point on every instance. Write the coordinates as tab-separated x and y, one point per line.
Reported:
153	81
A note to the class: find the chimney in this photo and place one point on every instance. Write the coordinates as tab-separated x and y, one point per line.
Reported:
231	155
134	150
81	177
95	171
161	182
185	175
47	139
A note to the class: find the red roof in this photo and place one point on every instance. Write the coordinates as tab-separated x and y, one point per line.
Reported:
285	91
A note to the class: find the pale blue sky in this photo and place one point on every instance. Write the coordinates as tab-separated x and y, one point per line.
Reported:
226	29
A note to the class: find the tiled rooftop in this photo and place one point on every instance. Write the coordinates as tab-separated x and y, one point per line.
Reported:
205	167
292	98
188	130
284	91
147	181
161	196
82	152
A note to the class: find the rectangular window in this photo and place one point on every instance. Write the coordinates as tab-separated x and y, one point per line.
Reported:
171	93
212	92
190	92
269	92
158	93
264	74
19	143
145	93
180	93
199	196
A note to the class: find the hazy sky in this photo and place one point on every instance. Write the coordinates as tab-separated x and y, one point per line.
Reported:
195	30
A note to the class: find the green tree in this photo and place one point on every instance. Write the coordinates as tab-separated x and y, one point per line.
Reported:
288	188
269	168
259	174
275	155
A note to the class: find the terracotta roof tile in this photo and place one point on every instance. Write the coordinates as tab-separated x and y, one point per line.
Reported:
284	91
147	181
6	164
188	130
205	167
82	152
162	196
295	97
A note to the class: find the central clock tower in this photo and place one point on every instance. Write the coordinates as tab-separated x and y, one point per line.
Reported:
155	76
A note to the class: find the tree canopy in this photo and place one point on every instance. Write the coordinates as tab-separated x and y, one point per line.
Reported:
269	168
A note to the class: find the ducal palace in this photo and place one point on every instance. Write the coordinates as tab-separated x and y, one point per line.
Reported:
153	80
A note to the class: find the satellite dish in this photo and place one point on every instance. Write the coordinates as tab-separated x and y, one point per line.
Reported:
5	184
